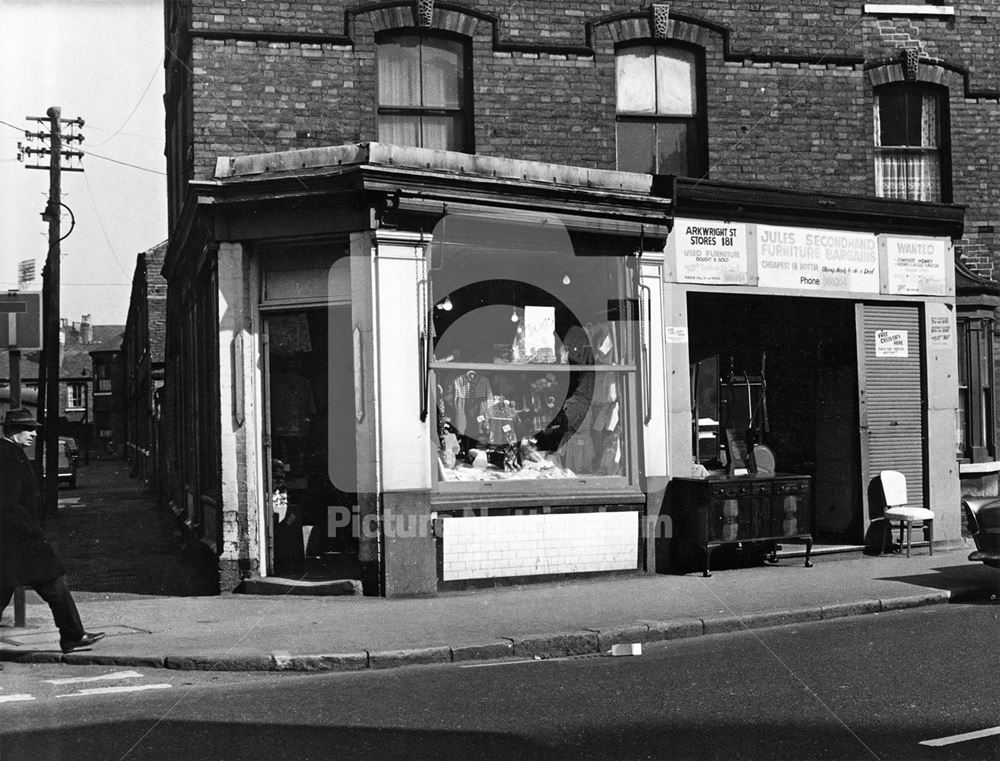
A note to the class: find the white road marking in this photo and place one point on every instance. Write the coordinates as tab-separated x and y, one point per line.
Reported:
104	677
15	698
963	737
111	690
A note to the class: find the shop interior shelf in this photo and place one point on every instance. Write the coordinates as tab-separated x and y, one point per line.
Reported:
540	367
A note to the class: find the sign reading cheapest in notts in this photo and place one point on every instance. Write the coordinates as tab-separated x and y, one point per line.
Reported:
822	260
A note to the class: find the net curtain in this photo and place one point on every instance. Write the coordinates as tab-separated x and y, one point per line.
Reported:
911	172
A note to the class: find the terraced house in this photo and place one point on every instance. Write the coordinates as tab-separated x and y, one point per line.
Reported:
467	292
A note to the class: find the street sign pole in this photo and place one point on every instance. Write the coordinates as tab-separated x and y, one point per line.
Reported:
20	618
15	401
23	314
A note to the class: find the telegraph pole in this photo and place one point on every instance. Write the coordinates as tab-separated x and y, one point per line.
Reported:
50	289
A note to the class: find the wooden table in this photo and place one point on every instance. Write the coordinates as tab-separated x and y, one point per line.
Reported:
719	510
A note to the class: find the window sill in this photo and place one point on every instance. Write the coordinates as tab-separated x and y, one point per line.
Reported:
473	499
905	9
978	468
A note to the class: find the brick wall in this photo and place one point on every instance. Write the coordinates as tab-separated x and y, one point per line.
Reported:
788	100
531	545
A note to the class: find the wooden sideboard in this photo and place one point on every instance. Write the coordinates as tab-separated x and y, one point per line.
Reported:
719	510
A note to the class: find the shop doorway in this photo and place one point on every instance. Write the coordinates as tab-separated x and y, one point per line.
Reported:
784	373
310	444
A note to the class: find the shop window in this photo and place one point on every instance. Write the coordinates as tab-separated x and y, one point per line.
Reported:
911	143
660	114
975	427
424	92
534	369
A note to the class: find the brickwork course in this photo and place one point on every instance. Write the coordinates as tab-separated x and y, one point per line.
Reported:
788	84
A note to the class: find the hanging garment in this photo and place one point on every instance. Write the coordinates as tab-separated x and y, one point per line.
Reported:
611	457
578	453
602	339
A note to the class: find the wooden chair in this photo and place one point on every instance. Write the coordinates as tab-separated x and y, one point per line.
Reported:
896	509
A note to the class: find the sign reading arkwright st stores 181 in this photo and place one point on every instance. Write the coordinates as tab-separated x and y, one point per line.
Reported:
710	252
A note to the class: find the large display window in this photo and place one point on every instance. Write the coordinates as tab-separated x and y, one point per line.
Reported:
533	361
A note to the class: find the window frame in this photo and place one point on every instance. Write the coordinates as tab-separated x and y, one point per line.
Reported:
76	395
943	148
502	493
698	155
465	112
976	433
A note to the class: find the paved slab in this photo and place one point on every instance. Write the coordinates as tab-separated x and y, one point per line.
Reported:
286	632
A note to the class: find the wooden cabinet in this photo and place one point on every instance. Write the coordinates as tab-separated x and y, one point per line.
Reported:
718	510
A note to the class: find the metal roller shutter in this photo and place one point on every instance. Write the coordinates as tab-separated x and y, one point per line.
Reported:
892	399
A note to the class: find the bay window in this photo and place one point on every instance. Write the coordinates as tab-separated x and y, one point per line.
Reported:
975	429
533	363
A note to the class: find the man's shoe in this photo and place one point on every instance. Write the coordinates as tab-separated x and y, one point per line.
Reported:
88	639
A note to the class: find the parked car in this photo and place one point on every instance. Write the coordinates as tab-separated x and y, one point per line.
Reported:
983	517
66	462
74	449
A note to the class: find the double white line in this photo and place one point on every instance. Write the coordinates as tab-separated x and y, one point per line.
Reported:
106	690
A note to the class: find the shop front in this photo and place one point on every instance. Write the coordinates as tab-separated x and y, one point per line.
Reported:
439	371
433	364
819	333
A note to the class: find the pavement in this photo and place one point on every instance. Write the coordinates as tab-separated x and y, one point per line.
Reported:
154	607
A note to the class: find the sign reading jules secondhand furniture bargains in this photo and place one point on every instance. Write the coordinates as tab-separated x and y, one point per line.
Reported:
817	260
917	266
707	251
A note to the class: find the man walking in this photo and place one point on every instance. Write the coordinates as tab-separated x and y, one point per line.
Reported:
26	557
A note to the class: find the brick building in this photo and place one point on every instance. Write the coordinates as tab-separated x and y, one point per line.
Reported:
108	404
142	358
621	119
77	341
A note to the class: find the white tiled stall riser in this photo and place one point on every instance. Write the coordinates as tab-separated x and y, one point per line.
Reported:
528	545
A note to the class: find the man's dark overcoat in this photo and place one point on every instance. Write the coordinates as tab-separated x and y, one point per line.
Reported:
26	557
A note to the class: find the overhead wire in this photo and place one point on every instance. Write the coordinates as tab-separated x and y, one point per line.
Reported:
134	108
782	99
100	221
88	152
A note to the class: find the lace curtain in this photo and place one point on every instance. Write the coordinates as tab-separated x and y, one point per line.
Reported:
912	171
421	89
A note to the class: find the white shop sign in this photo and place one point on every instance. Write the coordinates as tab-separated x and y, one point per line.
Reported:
706	251
891	343
916	266
818	260
941	336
